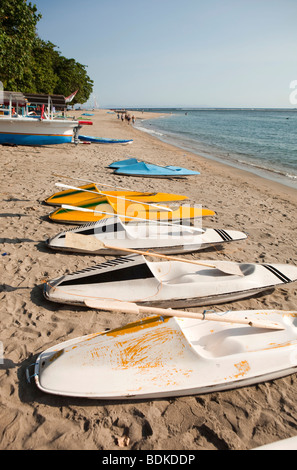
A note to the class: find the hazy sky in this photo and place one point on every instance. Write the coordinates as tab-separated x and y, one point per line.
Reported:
218	53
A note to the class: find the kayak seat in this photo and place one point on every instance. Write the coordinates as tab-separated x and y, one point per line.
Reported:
192	277
220	344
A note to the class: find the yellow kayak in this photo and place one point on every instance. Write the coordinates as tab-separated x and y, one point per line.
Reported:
75	197
128	210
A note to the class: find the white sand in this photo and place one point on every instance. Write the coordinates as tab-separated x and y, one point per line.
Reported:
30	419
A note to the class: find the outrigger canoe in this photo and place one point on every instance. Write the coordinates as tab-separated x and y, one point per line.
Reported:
169	356
166	283
146	236
127	209
149	170
81	195
102	140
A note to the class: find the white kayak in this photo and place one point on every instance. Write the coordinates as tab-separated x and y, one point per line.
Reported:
168	356
161	238
284	444
175	283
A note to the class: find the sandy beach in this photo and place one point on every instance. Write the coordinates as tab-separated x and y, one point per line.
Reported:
29	419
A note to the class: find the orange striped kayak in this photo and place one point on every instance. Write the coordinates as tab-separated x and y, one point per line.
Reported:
78	196
128	210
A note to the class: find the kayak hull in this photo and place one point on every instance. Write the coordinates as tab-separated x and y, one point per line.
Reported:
149	170
169	357
169	283
101	140
128	211
160	238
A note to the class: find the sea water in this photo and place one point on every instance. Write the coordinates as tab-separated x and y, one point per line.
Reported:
258	140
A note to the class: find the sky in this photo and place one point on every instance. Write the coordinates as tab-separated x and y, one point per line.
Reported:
179	53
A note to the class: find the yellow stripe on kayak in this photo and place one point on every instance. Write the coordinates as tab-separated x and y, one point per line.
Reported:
132	210
76	197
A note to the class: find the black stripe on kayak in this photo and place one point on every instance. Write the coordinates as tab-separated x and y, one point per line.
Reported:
141	271
107	264
224	235
104	229
277	273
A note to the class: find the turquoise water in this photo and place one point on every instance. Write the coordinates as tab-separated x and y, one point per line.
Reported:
260	141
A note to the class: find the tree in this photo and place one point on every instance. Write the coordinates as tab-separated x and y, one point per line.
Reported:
30	64
43	68
17	33
72	76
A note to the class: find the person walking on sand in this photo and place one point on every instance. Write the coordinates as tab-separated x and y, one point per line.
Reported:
133	119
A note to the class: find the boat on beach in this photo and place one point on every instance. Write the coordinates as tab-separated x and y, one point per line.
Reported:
145	236
133	278
161	356
102	140
40	129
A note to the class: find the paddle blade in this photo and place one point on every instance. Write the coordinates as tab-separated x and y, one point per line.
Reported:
83	242
112	305
228	267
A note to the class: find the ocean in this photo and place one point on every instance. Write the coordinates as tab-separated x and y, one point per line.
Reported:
258	140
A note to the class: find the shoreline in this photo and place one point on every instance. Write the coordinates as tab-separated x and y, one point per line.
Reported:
236	170
238	419
217	155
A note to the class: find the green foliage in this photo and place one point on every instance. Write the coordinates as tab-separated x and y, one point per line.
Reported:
17	33
72	76
30	64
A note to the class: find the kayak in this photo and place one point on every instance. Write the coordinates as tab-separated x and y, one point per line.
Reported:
283	444
76	197
161	238
119	164
166	283
147	170
127	209
169	357
134	161
102	140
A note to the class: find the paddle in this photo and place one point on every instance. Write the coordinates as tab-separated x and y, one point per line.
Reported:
130	307
84	209
93	182
90	243
168	209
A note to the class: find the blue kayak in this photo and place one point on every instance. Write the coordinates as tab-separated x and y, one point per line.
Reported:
120	164
101	140
147	169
